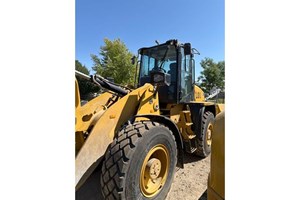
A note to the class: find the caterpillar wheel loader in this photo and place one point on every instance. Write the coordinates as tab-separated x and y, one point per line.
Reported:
138	136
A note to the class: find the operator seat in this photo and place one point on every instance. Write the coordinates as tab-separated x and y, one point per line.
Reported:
172	72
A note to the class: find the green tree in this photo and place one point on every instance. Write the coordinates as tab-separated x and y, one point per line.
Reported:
85	86
213	75
81	68
115	61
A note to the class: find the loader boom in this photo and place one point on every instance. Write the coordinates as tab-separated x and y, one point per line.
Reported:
140	101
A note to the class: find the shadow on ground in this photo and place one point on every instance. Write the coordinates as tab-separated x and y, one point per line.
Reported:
90	190
190	158
203	196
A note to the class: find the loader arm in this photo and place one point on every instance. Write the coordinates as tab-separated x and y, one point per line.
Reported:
143	100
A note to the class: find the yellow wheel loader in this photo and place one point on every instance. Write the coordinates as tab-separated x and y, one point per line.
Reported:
138	136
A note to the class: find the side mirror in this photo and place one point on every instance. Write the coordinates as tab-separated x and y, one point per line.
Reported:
133	60
187	49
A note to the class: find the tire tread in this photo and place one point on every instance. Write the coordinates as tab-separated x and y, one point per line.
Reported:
116	159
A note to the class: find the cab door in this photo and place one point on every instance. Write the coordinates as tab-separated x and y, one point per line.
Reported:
187	79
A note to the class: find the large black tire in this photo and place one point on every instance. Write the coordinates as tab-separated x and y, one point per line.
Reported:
124	161
204	142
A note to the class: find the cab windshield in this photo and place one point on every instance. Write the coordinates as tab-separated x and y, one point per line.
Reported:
157	58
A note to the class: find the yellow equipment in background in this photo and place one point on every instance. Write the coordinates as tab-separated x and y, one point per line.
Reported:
138	136
216	178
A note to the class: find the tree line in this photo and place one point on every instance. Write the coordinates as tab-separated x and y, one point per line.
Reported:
114	61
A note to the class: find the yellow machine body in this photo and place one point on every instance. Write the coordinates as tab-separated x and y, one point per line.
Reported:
102	122
216	179
198	94
187	116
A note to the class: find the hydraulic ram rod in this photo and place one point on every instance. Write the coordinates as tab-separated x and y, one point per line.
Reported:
99	80
82	75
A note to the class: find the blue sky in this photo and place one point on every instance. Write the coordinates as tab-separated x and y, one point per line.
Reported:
139	23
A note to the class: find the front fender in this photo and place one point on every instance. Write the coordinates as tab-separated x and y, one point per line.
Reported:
173	127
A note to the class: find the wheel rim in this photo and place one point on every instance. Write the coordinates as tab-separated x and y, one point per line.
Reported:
208	134
154	170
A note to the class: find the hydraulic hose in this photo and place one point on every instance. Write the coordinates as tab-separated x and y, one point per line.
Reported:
109	85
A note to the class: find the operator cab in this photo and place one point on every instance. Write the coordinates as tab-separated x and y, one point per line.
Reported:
176	61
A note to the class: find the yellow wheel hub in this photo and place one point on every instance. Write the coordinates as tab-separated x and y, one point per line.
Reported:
208	134
154	170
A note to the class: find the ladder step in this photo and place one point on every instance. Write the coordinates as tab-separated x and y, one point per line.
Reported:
185	111
192	136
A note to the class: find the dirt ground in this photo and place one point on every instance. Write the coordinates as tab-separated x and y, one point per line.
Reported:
189	183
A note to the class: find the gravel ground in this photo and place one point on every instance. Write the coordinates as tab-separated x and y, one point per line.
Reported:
189	183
